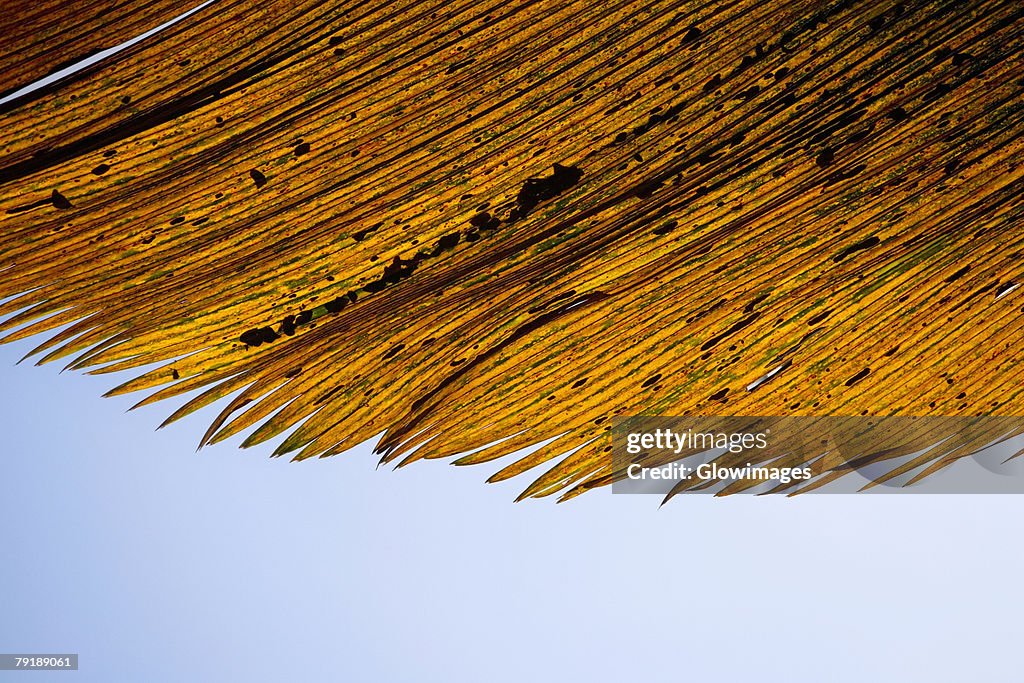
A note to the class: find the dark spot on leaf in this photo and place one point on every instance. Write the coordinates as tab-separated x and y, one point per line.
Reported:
484	221
647	188
59	201
898	114
732	330
336	304
360	235
859	246
650	381
719	395
446	243
257	336
692	35
393	351
960	58
958	274
455	67
858	377
666	228
749	308
536	190
397	270
814	320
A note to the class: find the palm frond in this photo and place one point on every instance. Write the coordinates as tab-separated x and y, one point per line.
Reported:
456	222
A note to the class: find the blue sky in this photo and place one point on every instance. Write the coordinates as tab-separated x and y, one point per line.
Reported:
157	563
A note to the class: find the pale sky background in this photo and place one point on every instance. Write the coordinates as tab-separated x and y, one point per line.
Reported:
155	563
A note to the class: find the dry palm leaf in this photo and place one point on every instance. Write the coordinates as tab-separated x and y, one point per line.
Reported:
459	221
